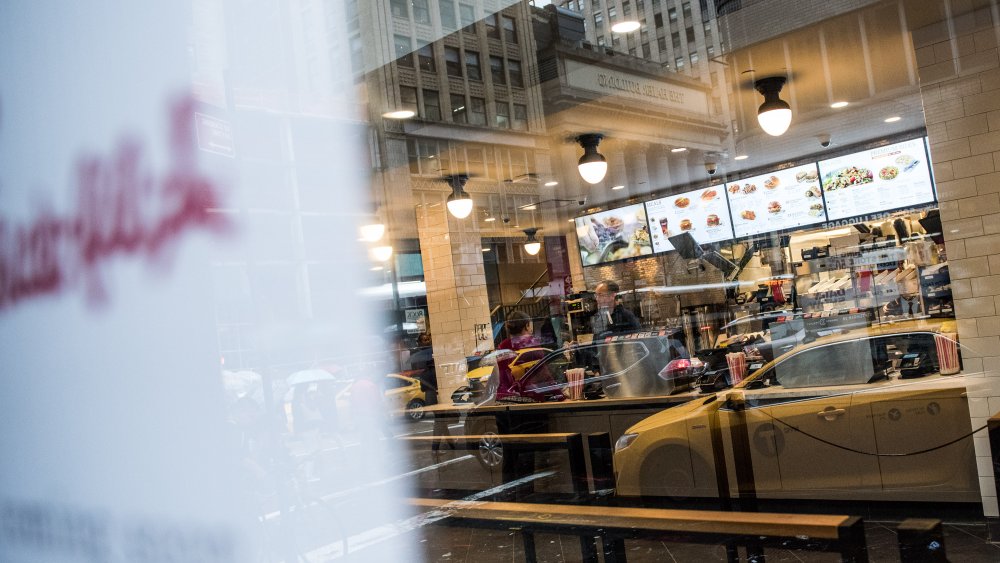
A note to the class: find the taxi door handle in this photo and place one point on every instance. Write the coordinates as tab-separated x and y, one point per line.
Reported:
831	413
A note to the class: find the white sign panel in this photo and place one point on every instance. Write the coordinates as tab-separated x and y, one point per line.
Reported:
703	213
891	177
780	200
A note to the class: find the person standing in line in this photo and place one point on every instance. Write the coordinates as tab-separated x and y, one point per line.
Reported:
612	317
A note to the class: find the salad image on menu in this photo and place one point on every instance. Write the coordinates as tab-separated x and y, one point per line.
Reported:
890	177
703	213
613	235
780	200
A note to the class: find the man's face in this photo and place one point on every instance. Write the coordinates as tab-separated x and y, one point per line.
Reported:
605	297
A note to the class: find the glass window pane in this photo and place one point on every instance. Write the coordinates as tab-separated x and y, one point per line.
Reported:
458	112
447	9
496	70
477	111
403	56
514	68
452	61
503	115
509	30
472	66
426	58
492	29
432	105
421	13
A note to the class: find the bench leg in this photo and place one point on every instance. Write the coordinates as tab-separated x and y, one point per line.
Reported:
529	546
588	547
853	547
614	549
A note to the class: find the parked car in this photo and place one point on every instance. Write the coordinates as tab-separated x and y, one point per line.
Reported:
863	415
482	380
404	394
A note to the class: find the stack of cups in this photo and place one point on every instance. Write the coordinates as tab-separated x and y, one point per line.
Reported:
947	351
574	377
737	366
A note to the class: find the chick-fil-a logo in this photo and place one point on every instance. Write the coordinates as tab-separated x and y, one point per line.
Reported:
123	208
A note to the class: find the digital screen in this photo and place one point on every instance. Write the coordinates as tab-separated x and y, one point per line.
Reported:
780	200
613	235
891	177
703	213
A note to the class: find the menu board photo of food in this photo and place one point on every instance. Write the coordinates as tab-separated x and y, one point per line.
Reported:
703	213
613	235
891	177
780	200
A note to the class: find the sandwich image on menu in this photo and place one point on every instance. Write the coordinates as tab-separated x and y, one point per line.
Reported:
703	213
780	200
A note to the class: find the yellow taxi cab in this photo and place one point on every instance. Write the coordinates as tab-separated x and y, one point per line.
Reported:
861	415
481	378
404	394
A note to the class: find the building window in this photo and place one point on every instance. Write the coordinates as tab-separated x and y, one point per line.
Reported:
711	50
467	15
492	27
679	63
645	50
516	78
477	111
595	4
686	8
626	8
425	58
600	41
658	20
503	115
398	8
694	58
599	22
408	98
432	105
357	54
662	44
690	35
472	70
676	39
612	13
496	70
421	13
403	57
458	113
520	117
672	14
447	9
452	61
509	30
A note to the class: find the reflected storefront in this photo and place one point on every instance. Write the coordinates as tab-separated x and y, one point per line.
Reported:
568	269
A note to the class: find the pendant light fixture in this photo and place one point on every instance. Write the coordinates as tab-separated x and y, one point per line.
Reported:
774	115
459	202
593	166
533	245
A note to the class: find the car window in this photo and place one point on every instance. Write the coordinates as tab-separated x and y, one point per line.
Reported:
840	363
530	356
394	383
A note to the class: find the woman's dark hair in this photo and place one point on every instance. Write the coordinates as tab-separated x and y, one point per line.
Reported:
516	323
611	286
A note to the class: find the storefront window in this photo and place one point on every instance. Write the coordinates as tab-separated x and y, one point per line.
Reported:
599	278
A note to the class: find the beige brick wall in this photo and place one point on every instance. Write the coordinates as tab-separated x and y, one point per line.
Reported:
960	86
456	291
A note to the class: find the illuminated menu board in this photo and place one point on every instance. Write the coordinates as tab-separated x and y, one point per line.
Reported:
612	235
891	177
703	213
777	201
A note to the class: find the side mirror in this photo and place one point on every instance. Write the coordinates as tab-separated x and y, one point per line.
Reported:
756	384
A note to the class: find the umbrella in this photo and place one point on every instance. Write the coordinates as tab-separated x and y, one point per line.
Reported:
310	376
239	384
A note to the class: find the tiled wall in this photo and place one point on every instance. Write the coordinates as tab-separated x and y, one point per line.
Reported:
960	86
456	291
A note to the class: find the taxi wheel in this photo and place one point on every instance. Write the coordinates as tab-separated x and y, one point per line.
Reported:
413	410
490	451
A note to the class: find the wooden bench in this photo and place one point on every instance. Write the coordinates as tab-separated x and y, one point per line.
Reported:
842	534
571	442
